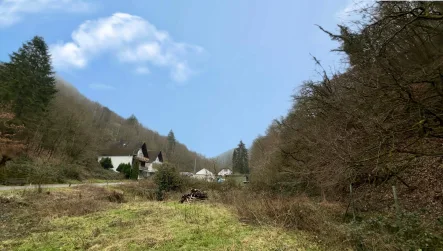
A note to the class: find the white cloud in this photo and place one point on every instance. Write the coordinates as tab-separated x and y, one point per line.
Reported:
64	55
101	87
13	11
142	70
181	72
131	39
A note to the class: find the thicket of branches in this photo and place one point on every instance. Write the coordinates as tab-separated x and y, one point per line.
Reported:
371	124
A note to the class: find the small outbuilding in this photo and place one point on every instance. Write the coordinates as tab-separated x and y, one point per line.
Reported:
225	172
204	174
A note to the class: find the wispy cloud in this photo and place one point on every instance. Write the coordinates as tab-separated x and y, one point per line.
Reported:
131	39
142	70
103	87
13	11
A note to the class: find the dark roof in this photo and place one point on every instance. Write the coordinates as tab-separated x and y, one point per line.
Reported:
122	148
145	150
152	155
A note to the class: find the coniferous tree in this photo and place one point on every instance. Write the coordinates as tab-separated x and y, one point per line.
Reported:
106	163
30	80
5	90
171	144
132	119
240	157
126	169
234	160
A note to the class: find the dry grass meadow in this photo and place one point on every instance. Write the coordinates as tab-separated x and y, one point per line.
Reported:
93	218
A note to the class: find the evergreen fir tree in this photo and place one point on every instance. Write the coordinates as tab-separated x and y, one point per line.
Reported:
240	159
106	163
30	80
234	161
171	144
132	120
5	90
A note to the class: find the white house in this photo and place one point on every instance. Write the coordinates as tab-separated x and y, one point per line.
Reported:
204	174
124	153
225	172
117	160
147	160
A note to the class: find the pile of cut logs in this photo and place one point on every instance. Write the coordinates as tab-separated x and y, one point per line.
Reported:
194	195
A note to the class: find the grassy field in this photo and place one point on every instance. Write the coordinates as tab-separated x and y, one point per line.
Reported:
128	217
86	219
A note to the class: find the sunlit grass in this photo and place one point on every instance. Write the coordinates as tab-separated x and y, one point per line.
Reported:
159	226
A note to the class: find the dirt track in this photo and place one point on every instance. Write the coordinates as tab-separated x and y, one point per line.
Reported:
5	188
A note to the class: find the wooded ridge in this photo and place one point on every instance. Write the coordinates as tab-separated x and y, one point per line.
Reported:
46	120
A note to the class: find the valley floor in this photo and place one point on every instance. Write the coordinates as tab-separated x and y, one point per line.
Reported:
137	225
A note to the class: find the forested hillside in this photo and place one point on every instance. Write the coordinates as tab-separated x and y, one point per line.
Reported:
224	160
47	122
113	131
378	124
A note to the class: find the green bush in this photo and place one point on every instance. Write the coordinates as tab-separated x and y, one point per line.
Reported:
167	179
125	169
45	173
229	184
407	232
134	173
106	163
32	172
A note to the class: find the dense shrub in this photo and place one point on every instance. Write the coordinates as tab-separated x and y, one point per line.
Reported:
106	163
40	172
325	221
167	179
405	232
228	184
126	169
135	170
144	189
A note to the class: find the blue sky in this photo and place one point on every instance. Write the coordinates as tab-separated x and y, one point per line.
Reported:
215	72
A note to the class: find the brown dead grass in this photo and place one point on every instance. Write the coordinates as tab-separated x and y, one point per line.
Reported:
290	212
80	201
25	212
140	190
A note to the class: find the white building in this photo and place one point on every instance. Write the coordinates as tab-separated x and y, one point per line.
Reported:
147	160
117	160
127	154
204	174
225	172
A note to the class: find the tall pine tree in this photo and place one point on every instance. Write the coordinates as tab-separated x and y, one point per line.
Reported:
171	145
29	80
240	159
5	89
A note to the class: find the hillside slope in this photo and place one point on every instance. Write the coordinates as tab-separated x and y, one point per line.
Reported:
224	160
111	130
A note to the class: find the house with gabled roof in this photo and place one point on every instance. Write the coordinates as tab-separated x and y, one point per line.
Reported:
147	159
225	172
204	174
129	153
